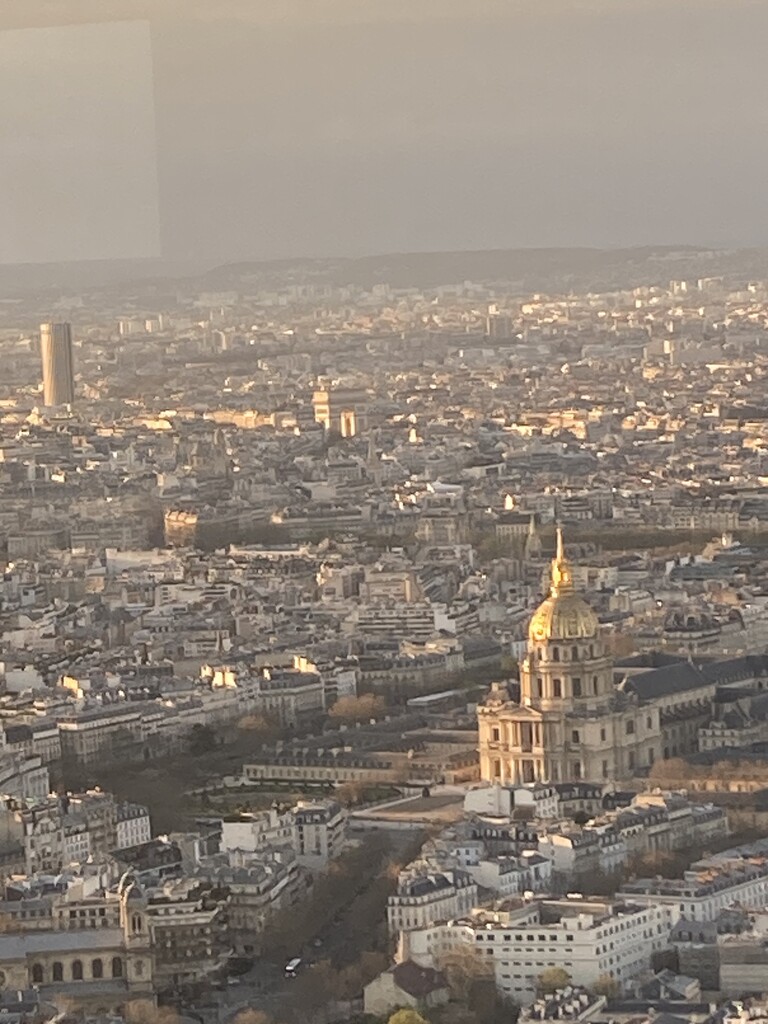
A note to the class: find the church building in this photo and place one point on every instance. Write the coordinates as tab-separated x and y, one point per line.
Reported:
571	722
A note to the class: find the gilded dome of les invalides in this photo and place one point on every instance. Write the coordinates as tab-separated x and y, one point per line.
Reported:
564	615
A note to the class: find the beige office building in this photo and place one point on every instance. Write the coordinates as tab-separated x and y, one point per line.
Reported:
58	365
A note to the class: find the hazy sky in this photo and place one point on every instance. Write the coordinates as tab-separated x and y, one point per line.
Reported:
78	172
315	127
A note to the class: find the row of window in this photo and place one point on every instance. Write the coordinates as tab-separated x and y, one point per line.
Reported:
555	653
76	970
537	687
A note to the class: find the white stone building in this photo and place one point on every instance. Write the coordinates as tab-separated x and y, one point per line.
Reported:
510	876
132	825
586	938
426	894
708	888
320	832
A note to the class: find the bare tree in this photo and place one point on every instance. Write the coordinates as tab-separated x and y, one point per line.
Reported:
606	986
357	709
251	1016
551	979
463	967
144	1011
259	726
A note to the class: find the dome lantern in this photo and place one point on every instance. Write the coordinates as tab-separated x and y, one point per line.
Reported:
564	615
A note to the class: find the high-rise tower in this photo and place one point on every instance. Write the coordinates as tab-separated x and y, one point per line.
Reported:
58	366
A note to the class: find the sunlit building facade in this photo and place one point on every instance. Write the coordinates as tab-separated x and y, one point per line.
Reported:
571	721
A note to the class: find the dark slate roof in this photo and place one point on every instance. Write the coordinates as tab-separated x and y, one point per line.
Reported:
651	659
753	752
578	790
422	885
759	707
736	669
670	1018
686	676
660	682
18	733
418	982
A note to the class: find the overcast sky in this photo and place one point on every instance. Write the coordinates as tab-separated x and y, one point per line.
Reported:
324	127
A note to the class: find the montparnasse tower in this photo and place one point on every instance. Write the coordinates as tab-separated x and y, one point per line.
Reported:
569	723
58	372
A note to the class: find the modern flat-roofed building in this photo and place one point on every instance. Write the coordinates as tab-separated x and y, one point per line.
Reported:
586	938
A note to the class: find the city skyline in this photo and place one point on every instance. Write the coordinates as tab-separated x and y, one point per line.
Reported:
383	512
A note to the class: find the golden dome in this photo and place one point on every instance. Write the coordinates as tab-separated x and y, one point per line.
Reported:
564	615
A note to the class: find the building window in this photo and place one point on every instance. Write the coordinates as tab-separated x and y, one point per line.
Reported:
629	727
602	735
575	736
631	759
37	974
577	769
58	971
557	688
555	654
77	970
595	685
605	769
97	968
577	687
495	735
649	722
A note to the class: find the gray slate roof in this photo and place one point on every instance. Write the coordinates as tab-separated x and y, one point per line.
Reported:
22	945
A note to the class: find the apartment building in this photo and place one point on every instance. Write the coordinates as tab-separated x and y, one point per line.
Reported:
425	894
320	832
710	887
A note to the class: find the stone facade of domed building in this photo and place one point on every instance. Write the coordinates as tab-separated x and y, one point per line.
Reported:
571	721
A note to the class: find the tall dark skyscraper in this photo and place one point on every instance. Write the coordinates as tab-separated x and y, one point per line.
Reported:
58	367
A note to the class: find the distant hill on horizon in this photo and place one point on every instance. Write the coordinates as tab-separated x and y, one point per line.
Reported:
522	270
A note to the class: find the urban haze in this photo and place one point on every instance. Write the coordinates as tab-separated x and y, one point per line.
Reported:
338	128
383	512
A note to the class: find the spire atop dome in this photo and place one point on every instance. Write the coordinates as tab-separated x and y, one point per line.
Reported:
562	577
564	615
